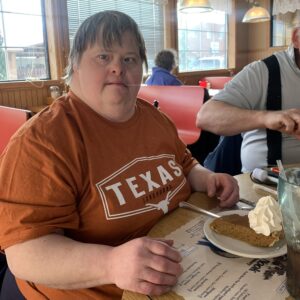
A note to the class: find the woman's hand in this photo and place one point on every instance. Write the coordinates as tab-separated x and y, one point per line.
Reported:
147	266
224	187
220	185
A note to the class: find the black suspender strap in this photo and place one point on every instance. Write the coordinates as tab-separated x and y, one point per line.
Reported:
274	138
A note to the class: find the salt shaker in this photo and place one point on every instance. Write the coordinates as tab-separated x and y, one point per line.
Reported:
54	91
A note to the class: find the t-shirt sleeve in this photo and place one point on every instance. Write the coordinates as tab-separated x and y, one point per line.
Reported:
247	89
188	161
37	191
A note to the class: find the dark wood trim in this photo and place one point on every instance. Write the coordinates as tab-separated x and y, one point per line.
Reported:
58	36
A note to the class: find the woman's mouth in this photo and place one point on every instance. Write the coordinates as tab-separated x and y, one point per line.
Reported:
117	83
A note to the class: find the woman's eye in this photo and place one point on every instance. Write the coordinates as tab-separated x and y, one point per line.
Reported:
103	57
129	60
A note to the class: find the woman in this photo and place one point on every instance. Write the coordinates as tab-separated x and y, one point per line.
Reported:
165	63
95	171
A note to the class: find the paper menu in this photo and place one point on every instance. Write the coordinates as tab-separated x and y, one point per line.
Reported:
210	275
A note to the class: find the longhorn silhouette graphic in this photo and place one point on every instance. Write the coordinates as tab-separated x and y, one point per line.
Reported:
162	205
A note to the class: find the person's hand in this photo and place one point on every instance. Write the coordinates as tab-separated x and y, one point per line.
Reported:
224	187
147	266
285	121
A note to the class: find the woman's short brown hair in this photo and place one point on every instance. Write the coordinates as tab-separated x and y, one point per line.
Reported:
107	27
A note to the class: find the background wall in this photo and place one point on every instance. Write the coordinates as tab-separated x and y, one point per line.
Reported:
251	42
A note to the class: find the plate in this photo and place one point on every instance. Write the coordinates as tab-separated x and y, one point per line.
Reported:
240	248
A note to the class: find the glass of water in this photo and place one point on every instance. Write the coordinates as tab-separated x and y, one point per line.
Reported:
289	200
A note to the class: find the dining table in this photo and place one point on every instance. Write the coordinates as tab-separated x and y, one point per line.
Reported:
181	216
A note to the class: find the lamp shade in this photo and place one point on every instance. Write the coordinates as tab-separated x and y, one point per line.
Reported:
194	6
256	14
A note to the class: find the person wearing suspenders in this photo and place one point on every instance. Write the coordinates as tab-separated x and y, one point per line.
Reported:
262	102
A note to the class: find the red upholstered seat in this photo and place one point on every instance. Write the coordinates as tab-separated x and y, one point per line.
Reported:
180	103
10	120
217	82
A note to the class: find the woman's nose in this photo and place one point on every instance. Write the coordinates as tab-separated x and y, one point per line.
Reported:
118	67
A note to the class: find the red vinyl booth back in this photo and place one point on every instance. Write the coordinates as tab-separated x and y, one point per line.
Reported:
180	103
10	120
217	82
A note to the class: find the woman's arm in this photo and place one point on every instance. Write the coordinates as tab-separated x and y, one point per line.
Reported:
142	265
59	262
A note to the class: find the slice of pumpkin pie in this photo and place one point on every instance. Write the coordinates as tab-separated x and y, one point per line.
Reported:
261	227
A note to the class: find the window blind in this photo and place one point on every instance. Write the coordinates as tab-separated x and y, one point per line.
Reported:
148	14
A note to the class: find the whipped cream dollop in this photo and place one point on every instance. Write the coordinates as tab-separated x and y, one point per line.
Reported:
266	217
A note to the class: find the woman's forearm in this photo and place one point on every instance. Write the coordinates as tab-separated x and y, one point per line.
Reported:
59	262
196	178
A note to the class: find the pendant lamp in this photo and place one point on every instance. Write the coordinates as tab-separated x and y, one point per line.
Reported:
256	14
194	6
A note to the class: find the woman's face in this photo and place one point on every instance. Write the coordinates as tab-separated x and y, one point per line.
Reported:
105	78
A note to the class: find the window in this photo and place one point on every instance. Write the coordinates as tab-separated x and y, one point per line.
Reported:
202	41
285	16
23	47
282	26
147	13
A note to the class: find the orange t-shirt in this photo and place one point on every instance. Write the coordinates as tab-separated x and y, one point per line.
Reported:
100	181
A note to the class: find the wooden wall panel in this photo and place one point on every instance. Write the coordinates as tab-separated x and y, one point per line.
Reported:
254	39
25	94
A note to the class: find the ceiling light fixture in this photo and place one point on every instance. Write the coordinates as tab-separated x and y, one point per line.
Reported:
256	14
195	6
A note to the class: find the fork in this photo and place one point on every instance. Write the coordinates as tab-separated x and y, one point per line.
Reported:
184	204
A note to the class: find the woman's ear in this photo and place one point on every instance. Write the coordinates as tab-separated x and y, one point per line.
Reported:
296	37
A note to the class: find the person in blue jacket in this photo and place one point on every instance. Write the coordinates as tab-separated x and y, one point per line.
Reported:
165	63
